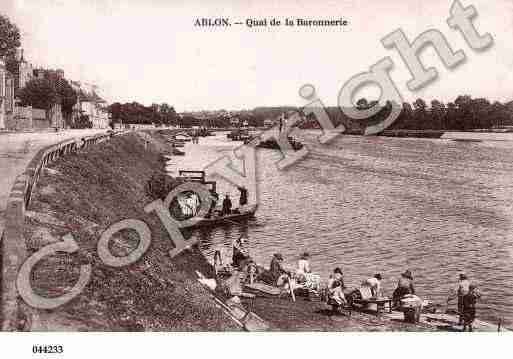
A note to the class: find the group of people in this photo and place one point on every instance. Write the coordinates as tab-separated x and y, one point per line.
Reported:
466	293
277	275
227	205
337	294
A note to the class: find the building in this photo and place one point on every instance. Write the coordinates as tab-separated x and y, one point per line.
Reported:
90	104
22	71
6	96
3	83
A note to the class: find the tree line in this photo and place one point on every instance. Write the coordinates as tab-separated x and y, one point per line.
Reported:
462	114
136	113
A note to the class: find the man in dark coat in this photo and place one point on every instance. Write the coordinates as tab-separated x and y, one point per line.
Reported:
243	196
213	204
276	269
227	205
469	307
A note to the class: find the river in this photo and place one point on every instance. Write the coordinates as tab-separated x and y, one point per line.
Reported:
382	205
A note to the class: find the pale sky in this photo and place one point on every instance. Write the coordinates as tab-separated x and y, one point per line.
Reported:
150	51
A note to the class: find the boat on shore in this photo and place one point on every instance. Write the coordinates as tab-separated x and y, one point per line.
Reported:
243	214
272	144
177	152
239	135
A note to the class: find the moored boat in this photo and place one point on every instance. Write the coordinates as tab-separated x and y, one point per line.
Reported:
271	144
244	214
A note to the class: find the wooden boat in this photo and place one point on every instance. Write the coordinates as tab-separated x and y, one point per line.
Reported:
245	214
181	138
177	152
239	135
271	144
177	144
448	322
466	140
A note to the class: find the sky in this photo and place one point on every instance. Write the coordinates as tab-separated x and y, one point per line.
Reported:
151	52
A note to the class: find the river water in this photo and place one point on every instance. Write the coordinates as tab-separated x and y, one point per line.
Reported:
375	204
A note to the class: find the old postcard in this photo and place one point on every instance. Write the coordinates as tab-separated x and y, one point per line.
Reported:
255	166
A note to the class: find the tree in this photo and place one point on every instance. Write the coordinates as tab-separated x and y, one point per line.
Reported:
438	113
499	115
82	122
38	93
67	96
115	111
453	119
9	37
420	114
405	118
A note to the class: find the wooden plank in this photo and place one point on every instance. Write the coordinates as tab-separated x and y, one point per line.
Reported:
264	288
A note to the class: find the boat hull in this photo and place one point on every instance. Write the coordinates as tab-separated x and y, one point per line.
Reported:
226	220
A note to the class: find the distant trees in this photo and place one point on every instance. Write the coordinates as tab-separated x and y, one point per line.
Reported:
9	37
136	113
465	113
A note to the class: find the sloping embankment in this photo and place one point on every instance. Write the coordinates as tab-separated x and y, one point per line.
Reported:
85	193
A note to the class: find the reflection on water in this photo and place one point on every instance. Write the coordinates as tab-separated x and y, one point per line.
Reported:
374	204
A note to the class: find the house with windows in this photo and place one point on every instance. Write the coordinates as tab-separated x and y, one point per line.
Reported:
90	104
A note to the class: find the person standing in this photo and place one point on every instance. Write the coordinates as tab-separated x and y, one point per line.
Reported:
469	307
218	260
243	200
213	204
227	205
404	287
463	289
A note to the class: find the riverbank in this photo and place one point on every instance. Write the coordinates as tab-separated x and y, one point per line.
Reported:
302	315
472	135
85	193
413	133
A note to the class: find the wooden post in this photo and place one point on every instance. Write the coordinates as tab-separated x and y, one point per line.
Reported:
291	287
